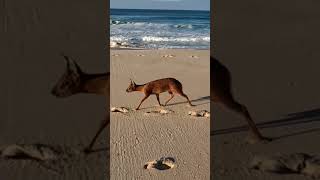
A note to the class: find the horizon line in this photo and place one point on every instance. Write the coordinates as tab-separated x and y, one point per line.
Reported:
163	9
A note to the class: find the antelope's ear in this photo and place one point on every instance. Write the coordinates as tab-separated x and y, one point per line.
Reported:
66	58
132	82
77	67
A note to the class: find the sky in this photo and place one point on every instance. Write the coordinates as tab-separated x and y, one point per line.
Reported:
161	4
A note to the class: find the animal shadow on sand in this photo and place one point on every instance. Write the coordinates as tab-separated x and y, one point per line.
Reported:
205	98
97	150
291	119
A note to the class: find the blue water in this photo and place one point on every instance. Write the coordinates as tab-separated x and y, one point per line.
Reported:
156	29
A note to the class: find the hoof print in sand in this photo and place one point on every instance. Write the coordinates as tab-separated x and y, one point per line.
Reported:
160	111
202	113
119	109
164	163
298	163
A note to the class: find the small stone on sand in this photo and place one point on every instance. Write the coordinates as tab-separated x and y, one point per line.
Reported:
202	113
119	109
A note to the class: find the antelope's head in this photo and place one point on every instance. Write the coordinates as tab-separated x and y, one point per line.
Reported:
132	86
70	82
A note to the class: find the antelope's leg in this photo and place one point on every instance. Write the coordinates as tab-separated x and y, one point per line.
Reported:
242	110
171	96
146	96
184	95
158	99
102	126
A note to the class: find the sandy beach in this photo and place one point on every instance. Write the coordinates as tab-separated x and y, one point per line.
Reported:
51	132
56	130
271	49
138	137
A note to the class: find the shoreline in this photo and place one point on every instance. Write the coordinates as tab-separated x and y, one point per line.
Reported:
111	49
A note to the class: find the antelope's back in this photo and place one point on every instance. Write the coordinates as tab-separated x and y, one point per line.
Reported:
162	85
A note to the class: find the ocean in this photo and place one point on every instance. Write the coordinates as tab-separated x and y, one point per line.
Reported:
159	29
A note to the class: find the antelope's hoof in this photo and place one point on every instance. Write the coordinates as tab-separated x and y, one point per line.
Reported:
136	109
266	139
87	150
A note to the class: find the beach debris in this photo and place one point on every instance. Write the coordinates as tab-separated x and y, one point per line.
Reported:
160	111
163	163
168	56
37	152
119	109
114	44
52	158
141	55
202	113
297	163
115	55
193	56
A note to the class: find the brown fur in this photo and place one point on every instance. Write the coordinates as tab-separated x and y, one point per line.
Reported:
75	81
170	85
221	93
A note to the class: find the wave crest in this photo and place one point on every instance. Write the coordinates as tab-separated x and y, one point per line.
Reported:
175	39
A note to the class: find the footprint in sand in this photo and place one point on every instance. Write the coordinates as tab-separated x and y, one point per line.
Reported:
164	163
141	55
298	163
120	109
202	113
168	56
37	152
55	159
159	111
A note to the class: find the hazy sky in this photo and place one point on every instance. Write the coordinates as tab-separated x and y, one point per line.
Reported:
161	4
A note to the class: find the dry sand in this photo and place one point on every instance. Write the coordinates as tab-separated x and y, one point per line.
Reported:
272	51
63	126
35	34
138	138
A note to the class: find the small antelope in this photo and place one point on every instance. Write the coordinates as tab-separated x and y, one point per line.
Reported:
221	93
75	81
156	87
